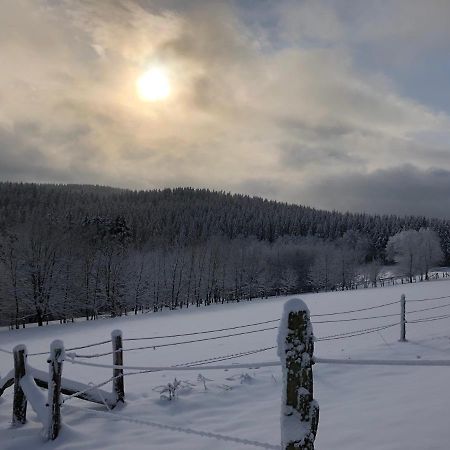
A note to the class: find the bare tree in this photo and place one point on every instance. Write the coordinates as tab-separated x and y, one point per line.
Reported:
40	261
137	278
323	272
9	258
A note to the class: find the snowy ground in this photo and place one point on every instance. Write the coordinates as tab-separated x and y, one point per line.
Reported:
375	408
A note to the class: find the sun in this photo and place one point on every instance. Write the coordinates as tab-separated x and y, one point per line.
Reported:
153	85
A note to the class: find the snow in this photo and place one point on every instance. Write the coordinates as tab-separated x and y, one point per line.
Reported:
36	398
6	378
292	305
375	407
116	333
57	350
97	394
19	348
293	429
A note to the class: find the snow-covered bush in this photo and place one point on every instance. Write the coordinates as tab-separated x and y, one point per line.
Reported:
170	391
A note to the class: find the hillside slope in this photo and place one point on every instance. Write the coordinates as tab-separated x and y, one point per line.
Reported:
186	214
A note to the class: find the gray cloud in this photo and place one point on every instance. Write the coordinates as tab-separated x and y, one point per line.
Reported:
402	190
21	161
299	155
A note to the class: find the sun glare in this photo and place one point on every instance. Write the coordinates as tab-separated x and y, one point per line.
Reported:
153	85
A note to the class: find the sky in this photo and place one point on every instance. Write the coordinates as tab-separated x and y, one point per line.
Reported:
334	104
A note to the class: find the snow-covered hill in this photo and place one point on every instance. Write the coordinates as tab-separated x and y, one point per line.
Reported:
376	408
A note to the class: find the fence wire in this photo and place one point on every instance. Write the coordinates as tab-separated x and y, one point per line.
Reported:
429	319
355	310
194	333
211	338
205	434
429	299
428	309
95	344
354	333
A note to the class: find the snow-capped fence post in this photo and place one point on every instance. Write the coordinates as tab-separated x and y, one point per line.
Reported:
299	410
19	399
55	363
118	386
403	318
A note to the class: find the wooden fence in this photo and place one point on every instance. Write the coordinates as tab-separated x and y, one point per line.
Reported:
27	380
299	413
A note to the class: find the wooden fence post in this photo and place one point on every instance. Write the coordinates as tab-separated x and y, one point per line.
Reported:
55	362
19	400
300	412
403	318
118	386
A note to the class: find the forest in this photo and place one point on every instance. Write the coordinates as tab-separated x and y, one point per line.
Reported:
70	251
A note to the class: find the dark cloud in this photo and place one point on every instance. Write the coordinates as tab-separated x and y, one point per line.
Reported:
23	156
294	154
326	130
401	190
20	160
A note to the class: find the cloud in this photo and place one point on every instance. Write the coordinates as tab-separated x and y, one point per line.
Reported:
402	190
259	104
397	31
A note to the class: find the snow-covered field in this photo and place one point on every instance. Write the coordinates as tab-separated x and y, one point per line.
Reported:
369	407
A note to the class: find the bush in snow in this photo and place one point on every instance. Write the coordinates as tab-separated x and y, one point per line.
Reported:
171	390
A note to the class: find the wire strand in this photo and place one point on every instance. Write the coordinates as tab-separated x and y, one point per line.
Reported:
355	319
199	363
225	357
428	309
90	388
429	299
206	434
355	333
254	365
93	355
74	348
429	319
381	362
355	310
201	332
198	340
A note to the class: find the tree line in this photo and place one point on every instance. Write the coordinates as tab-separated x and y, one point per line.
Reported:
82	251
